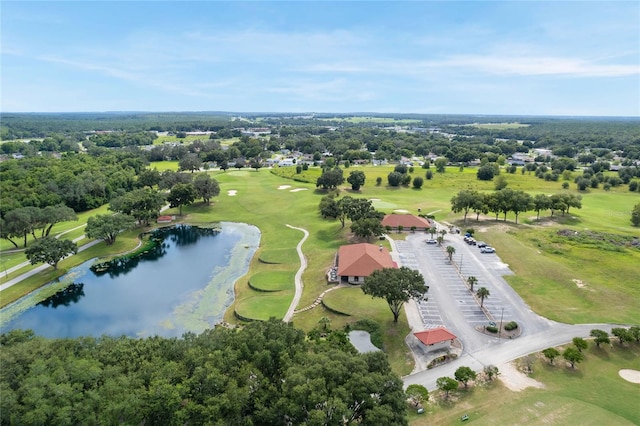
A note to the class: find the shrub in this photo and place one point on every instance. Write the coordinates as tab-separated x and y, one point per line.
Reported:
511	325
378	181
492	329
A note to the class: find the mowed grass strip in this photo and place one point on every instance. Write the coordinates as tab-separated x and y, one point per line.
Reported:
272	280
264	306
591	394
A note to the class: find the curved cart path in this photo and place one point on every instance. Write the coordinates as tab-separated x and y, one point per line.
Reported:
298	279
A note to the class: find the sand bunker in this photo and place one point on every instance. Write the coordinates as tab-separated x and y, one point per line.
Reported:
632	376
232	192
401	211
299	189
284	187
374	199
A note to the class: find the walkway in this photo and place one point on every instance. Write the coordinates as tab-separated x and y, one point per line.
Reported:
298	279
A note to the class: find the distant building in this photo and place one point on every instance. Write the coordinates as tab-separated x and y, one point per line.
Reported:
358	261
406	221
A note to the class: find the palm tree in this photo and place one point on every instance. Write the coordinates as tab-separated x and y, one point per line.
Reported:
482	293
451	251
440	240
443	232
472	281
432	231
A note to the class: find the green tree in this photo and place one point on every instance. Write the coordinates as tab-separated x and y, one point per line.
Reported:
600	337
357	179
206	187
541	202
580	343
395	178
143	204
17	223
329	208
482	294
330	179
500	182
418	182
551	354
635	215
464	201
440	164
56	214
486	172
451	250
464	374
572	355
428	175
396	286
182	194
417	393
149	177
520	201
367	228
108	226
472	281
190	163
50	250
622	334
446	384
634	333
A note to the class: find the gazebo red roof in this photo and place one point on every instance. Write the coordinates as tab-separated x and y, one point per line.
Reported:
434	335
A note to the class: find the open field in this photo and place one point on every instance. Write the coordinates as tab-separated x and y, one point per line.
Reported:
592	394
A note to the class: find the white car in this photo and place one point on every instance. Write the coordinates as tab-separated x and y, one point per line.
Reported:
487	249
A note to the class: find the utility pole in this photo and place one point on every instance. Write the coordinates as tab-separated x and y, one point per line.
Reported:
500	330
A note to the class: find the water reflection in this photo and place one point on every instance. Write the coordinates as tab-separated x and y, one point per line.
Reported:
65	297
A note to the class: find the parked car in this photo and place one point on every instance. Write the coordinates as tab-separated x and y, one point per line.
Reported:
487	249
471	242
481	244
431	242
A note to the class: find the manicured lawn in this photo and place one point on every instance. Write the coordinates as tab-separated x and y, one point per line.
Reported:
272	280
592	394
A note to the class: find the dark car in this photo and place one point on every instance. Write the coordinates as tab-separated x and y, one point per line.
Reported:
481	244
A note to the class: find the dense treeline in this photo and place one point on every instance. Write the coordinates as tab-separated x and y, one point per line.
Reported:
266	373
17	126
79	181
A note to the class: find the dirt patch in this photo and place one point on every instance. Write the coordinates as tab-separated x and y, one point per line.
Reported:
629	375
516	380
579	283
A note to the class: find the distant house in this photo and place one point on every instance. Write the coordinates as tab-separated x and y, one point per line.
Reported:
435	339
358	261
406	221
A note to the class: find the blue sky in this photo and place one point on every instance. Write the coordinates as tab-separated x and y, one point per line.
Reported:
538	58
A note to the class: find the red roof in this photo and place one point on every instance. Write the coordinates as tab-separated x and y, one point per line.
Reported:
360	260
164	218
434	335
405	220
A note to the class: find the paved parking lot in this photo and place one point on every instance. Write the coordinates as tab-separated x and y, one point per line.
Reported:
450	302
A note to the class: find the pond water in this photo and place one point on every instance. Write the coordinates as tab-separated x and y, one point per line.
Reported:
186	284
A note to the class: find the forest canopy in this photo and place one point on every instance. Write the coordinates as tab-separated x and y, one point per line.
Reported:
263	374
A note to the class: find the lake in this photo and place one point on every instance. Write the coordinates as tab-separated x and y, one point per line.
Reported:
185	284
